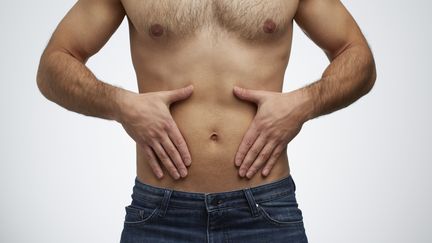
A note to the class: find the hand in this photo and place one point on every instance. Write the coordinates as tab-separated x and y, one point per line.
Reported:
277	121
147	119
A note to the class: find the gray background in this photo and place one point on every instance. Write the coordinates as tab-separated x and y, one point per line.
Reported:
362	173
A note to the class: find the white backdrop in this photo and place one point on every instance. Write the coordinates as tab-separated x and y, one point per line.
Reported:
362	173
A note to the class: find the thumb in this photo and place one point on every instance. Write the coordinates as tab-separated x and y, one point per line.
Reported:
171	96
252	95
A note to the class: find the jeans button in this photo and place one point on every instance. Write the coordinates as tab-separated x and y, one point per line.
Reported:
216	201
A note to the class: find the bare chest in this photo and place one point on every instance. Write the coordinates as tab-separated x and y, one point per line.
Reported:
247	19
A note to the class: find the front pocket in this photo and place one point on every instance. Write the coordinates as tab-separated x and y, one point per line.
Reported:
281	211
137	215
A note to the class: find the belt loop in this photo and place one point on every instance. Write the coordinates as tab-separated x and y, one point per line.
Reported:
165	202
251	201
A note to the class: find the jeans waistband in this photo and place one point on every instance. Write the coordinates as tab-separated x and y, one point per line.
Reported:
245	197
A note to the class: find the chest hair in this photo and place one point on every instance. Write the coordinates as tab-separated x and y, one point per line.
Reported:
248	19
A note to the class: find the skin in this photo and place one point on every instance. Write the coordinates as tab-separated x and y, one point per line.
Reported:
209	115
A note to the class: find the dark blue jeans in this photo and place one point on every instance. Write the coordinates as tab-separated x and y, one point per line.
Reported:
265	213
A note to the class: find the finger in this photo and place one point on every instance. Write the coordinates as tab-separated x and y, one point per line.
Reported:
178	140
252	154
153	162
249	94
172	152
247	141
166	161
174	95
261	159
273	159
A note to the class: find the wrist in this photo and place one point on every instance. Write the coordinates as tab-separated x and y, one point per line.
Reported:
304	104
122	99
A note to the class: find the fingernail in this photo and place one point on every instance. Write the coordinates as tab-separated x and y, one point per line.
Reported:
188	162
159	175
183	172
265	172
176	175
241	173
249	174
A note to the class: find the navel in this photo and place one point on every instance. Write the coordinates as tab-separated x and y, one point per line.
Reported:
269	26
156	30
214	136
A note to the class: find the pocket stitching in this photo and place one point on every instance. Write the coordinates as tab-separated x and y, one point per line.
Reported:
138	211
275	221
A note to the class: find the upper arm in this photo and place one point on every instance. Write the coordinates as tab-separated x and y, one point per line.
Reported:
86	28
329	25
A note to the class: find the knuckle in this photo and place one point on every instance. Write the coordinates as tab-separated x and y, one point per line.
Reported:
160	134
241	154
275	133
264	155
259	128
149	154
276	154
178	142
171	150
254	151
278	138
268	123
266	135
163	157
169	124
261	125
249	142
273	157
280	149
153	134
141	142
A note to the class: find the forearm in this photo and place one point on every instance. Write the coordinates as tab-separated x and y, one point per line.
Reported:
348	77
66	81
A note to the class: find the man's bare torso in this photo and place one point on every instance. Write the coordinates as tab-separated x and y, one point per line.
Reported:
213	45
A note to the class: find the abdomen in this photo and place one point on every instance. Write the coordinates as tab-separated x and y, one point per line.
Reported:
213	124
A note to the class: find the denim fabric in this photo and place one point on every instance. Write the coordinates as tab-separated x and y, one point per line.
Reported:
264	213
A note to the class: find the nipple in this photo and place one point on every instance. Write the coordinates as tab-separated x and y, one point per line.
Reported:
214	136
269	26
156	30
